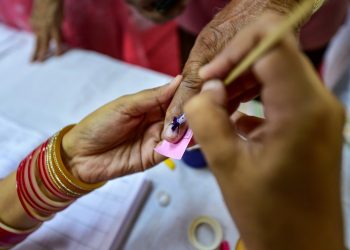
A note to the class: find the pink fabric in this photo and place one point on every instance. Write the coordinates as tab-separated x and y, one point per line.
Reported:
324	24
96	25
108	27
16	13
198	13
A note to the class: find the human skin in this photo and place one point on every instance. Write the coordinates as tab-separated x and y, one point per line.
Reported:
115	140
280	177
47	18
209	43
46	21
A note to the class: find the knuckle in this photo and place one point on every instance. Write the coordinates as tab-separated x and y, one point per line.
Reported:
191	78
211	38
214	38
265	64
192	84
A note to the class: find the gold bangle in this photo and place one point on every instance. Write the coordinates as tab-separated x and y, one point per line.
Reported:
67	184
53	174
58	169
72	179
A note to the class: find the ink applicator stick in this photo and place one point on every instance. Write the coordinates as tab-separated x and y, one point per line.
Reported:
295	17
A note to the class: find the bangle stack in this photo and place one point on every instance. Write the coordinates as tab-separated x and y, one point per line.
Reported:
44	187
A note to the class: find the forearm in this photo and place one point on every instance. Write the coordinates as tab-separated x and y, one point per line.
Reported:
41	187
11	210
286	225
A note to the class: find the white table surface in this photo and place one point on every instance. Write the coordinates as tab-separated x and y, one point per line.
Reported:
36	100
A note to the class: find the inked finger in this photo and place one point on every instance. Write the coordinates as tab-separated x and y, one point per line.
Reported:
182	95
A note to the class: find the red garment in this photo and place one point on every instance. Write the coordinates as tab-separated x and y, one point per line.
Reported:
16	13
107	27
198	13
314	34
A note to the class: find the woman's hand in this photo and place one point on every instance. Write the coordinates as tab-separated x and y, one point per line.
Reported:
46	20
220	31
119	138
280	177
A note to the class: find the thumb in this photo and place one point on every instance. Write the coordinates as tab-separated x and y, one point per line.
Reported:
207	117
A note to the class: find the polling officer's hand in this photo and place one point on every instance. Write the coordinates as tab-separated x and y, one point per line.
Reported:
280	177
211	40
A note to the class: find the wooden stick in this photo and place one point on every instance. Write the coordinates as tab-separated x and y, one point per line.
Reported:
296	16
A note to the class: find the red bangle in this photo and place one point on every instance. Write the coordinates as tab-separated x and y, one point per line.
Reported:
29	205
19	193
34	201
45	176
29	209
10	236
24	188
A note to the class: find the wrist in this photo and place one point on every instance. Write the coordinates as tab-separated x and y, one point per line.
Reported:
66	165
71	156
68	154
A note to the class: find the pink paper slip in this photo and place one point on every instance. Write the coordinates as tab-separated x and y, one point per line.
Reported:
175	151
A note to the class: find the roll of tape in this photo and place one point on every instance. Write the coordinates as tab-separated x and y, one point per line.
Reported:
215	226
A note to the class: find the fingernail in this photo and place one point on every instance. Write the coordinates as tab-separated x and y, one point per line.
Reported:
211	85
169	133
